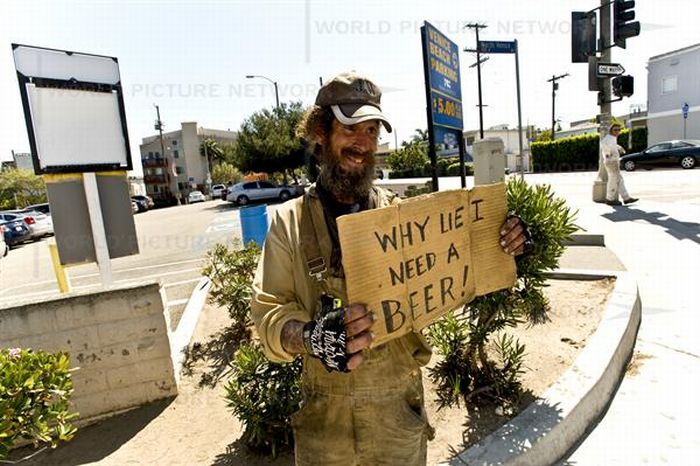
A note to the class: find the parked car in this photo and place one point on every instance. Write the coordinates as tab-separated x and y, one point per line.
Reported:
39	224
144	202
244	193
4	247
43	208
195	196
684	153
15	232
217	191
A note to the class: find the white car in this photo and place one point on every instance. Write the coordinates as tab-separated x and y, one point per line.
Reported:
38	223
217	190
195	196
4	247
244	193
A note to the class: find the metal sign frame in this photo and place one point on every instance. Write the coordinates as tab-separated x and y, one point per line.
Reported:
101	86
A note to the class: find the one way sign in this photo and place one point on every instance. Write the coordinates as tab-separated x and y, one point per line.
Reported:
609	69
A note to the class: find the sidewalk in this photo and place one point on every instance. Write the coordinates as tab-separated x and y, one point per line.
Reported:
653	416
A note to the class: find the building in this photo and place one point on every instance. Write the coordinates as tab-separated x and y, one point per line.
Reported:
181	168
511	144
23	160
672	83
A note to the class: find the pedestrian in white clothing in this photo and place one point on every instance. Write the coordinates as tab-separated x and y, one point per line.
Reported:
611	159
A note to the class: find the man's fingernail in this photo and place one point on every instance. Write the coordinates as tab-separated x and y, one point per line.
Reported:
503	243
373	316
371	335
512	253
503	232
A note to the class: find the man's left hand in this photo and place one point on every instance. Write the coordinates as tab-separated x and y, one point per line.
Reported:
514	238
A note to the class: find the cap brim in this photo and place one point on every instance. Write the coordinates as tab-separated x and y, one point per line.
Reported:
351	114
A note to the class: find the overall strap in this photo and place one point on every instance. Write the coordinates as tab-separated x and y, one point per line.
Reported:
315	261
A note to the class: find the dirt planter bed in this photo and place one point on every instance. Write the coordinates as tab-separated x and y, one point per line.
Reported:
552	425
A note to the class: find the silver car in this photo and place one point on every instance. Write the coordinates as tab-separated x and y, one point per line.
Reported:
244	193
39	224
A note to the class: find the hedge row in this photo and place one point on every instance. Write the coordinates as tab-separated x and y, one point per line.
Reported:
578	152
445	167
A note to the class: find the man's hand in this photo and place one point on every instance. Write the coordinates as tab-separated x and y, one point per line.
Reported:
338	338
358	322
514	237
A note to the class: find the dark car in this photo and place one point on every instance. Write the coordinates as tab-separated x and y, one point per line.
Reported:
682	153
15	232
143	202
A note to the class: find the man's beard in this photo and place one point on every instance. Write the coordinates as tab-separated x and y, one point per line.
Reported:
344	184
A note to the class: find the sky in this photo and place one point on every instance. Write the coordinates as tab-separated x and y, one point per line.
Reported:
191	57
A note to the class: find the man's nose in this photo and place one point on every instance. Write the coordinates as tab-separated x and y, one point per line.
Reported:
364	141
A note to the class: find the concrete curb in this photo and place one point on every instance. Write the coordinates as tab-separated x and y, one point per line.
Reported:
585	239
550	427
180	337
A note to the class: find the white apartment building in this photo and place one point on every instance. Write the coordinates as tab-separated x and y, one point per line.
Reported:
177	167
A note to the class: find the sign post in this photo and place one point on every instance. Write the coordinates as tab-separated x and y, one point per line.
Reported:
495	46
443	92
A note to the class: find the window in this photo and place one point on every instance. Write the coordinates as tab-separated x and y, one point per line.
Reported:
680	145
174	141
150	155
660	147
669	84
176	154
182	186
266	184
252	185
178	170
158	171
157	154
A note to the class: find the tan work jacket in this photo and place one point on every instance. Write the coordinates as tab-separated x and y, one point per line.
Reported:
283	289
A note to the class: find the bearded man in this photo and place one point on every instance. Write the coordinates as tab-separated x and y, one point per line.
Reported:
360	405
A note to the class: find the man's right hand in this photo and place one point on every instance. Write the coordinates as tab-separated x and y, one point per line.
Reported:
337	339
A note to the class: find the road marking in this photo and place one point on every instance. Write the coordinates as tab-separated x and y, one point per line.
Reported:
92	285
184	282
90	275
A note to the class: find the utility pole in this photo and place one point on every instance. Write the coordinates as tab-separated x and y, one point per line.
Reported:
555	86
476	27
605	45
159	127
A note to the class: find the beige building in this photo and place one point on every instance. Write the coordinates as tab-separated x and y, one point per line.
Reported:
181	168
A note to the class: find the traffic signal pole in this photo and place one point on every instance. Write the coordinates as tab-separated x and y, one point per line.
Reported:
600	184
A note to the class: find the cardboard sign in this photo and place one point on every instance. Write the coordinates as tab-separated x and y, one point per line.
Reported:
413	262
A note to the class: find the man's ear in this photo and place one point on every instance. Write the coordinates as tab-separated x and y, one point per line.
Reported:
320	135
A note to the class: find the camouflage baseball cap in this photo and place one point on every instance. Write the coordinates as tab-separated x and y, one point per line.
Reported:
353	99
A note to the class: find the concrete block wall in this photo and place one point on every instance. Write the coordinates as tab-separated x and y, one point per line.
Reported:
117	340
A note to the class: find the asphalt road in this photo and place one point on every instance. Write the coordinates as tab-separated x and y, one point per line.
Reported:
172	242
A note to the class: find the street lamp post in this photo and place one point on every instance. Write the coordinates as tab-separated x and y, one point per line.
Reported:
277	96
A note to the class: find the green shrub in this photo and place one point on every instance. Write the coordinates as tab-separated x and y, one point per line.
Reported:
261	394
264	395
578	152
35	390
467	372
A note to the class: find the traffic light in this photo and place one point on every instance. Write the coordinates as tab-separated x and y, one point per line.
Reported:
623	86
583	36
623	26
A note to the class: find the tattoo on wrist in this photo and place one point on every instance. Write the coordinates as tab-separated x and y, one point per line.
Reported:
292	340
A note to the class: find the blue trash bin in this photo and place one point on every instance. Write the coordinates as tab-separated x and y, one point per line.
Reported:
254	224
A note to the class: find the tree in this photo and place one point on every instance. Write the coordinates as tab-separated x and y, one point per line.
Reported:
211	149
266	141
20	188
413	154
224	173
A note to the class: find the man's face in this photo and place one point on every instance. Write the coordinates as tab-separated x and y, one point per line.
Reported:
353	146
347	162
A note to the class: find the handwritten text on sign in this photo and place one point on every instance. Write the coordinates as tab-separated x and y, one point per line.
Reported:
413	262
